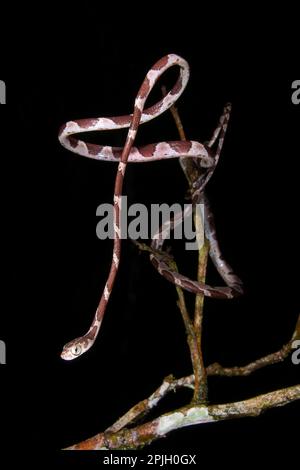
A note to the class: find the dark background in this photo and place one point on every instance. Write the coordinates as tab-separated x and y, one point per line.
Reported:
56	267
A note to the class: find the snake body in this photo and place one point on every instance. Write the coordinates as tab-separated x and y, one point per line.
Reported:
203	156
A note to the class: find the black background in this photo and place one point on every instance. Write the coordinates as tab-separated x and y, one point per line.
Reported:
56	267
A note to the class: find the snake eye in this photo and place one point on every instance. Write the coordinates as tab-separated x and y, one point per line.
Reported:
76	350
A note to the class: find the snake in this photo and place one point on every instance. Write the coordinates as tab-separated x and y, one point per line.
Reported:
202	155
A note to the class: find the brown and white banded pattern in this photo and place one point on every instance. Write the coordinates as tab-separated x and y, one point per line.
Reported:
159	259
202	154
148	153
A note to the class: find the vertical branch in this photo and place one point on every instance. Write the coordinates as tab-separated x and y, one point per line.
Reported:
194	332
195	352
199	304
187	164
177	119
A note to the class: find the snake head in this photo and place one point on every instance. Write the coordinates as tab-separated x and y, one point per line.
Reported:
76	348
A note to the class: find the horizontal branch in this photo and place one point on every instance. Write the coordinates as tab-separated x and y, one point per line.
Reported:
187	416
270	359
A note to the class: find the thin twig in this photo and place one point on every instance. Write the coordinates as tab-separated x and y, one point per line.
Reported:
200	395
270	359
192	340
194	332
195	352
176	118
187	164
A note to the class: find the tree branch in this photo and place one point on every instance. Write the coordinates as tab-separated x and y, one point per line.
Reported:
118	436
145	406
274	358
187	416
194	332
200	394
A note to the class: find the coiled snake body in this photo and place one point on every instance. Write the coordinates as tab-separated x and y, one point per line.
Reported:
202	154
